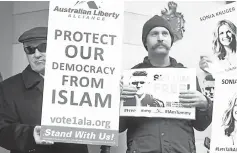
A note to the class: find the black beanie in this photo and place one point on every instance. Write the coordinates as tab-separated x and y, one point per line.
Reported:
156	21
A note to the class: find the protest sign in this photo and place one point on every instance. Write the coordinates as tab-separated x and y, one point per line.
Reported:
81	91
223	135
163	87
218	42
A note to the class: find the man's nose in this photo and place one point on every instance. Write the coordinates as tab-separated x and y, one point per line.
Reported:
37	53
160	38
160	41
139	85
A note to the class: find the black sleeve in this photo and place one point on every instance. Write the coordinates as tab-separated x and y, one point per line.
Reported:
123	123
70	148
203	118
13	134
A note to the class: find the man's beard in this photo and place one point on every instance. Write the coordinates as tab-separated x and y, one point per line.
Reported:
160	44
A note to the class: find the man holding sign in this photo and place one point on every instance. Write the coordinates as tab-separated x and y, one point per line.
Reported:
163	135
21	102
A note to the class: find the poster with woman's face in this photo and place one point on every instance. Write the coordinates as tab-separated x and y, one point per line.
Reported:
217	44
224	119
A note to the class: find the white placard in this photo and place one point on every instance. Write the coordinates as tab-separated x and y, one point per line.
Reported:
83	70
224	119
218	28
163	85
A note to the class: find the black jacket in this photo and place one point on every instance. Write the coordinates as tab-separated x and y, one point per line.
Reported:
20	111
164	135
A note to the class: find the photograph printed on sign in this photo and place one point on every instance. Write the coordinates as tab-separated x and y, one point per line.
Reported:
158	92
230	119
219	28
219	54
208	86
224	122
224	58
224	49
139	80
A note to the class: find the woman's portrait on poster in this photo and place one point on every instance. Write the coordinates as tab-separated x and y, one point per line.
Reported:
230	119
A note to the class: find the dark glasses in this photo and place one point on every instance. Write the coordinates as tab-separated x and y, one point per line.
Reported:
137	82
31	50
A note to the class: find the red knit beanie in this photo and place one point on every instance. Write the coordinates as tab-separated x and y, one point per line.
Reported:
156	21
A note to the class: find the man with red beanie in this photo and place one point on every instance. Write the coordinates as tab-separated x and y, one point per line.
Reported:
164	135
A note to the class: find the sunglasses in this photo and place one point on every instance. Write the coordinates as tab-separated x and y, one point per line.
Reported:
137	82
31	50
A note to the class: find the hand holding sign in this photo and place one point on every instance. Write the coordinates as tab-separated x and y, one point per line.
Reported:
131	91
36	135
193	99
204	63
128	92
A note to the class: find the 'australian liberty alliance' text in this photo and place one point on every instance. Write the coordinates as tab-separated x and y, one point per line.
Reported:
85	12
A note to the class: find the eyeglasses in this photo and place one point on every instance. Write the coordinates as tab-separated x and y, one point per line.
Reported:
31	50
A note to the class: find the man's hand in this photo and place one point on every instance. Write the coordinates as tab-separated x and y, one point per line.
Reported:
193	99
203	63
128	92
36	135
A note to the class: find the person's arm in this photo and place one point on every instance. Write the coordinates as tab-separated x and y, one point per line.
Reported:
13	134
122	128
204	63
126	93
105	149
203	117
123	123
